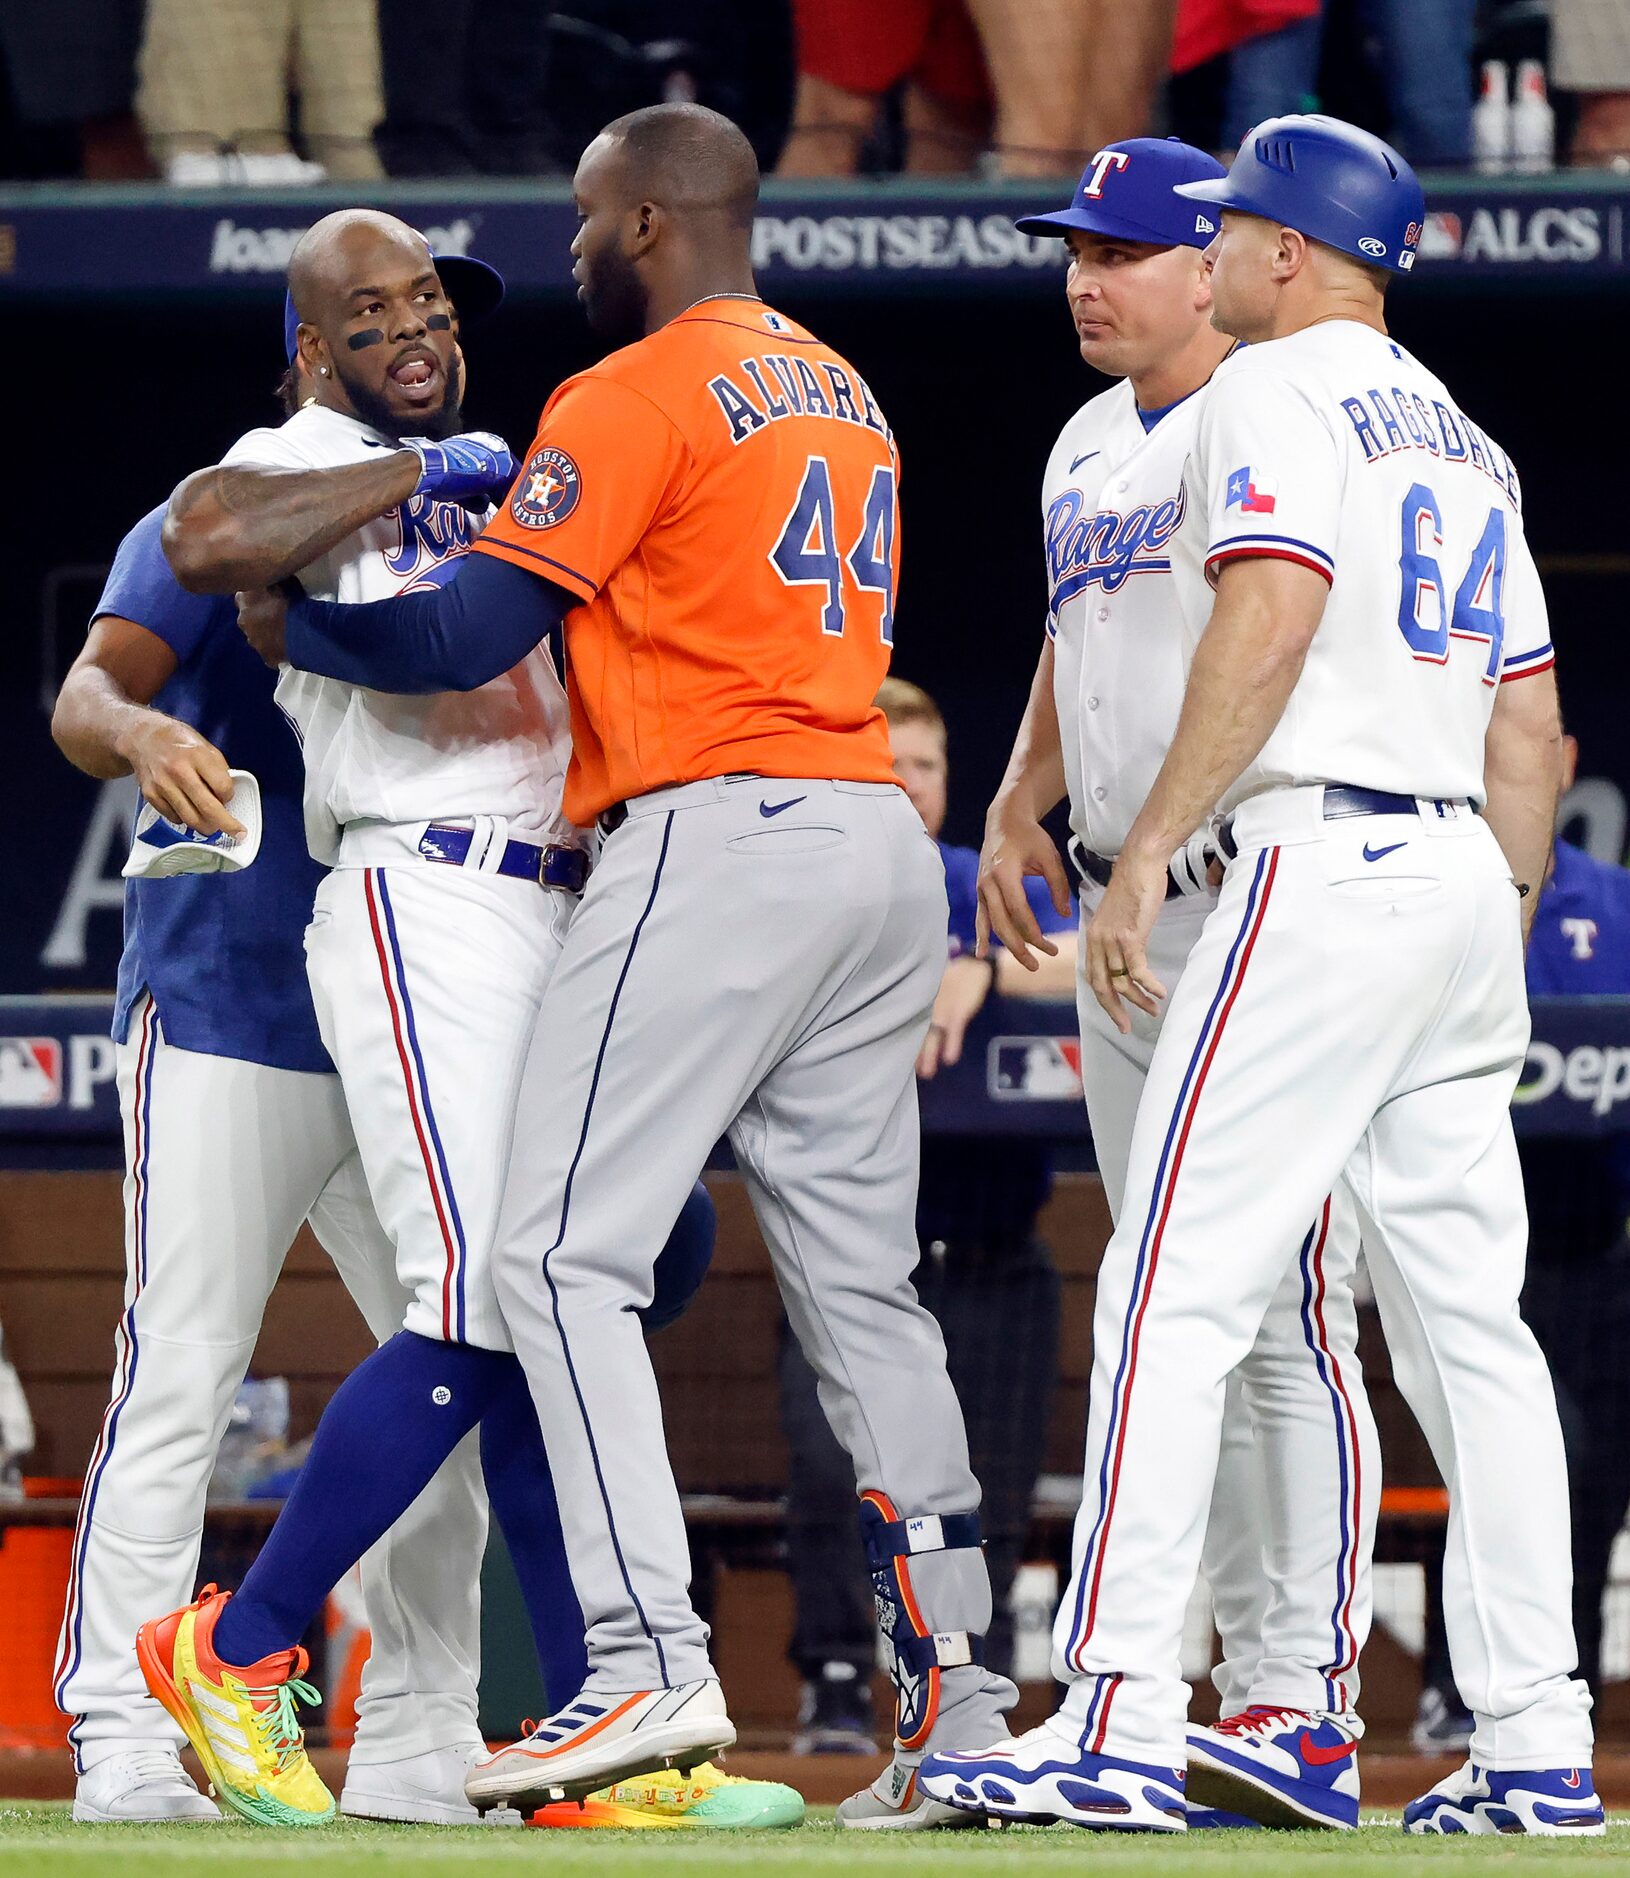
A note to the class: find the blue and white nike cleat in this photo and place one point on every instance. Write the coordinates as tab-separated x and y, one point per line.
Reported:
1045	1776
1278	1766
1551	1802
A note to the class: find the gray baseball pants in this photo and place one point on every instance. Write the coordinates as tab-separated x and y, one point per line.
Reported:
755	958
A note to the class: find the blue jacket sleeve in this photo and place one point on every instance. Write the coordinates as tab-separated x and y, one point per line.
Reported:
140	587
452	638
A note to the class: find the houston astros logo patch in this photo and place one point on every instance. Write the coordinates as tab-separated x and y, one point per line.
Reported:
547	491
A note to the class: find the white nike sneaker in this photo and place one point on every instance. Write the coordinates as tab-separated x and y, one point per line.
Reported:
1046	1775
423	1789
895	1802
140	1786
1546	1802
597	1740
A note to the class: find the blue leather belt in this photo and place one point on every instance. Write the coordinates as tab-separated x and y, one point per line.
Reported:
1342	800
1098	867
554	866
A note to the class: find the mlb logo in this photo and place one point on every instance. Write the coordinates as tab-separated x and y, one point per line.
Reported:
1442	236
30	1072
1251	494
1035	1069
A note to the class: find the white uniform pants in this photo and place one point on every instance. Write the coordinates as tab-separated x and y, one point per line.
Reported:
427	980
1339	1012
1291	1533
224	1160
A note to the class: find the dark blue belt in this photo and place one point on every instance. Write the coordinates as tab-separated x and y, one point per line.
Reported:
1098	867
1342	800
554	866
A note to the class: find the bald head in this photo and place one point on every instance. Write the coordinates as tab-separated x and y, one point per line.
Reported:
349	250
689	159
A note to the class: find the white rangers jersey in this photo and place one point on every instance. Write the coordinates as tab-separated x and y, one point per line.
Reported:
1334	448
500	751
1112	502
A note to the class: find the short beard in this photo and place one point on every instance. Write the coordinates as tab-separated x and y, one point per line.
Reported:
448	421
616	306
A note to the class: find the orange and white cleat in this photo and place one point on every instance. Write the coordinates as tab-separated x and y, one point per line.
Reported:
598	1740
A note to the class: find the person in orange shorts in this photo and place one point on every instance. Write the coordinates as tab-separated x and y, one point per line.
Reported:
711	515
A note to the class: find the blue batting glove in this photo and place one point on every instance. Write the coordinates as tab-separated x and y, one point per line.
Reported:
474	468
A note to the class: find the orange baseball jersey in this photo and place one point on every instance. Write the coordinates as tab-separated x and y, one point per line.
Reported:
722	497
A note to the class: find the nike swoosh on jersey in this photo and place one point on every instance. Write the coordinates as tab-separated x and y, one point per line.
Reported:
767	809
1379	854
1315	1756
1084	459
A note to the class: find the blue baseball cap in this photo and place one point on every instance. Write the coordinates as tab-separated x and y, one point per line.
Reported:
1129	193
475	287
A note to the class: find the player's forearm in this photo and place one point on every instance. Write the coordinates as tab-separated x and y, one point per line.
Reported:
237	527
1034	779
1053	978
452	638
1522	772
96	720
1245	668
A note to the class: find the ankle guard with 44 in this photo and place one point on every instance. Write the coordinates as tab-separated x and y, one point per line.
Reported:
915	1655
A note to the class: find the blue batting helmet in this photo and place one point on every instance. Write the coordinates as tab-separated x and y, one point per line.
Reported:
1329	181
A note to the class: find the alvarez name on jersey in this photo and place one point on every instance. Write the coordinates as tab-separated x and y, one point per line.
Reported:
1112	503
1336	449
501	750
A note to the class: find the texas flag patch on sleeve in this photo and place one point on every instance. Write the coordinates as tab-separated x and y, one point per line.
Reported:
1252	494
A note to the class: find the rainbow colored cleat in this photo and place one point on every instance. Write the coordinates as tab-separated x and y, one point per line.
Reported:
242	1721
705	1797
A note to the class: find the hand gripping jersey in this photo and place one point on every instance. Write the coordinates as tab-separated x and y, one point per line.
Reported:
499	751
1337	450
722	497
1112	501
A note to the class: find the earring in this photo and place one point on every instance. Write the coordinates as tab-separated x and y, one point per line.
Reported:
322	371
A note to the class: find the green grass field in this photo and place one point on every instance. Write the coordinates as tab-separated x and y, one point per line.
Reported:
41	1838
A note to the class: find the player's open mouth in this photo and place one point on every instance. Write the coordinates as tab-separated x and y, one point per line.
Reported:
417	374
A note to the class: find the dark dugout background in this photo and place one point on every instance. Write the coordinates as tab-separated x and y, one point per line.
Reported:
108	406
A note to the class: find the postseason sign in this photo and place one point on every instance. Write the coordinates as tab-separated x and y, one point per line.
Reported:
893	237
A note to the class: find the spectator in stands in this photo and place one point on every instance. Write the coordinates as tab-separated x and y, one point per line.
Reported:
213	89
1043	82
985	1274
464	88
1424	49
1577	1298
1590	56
